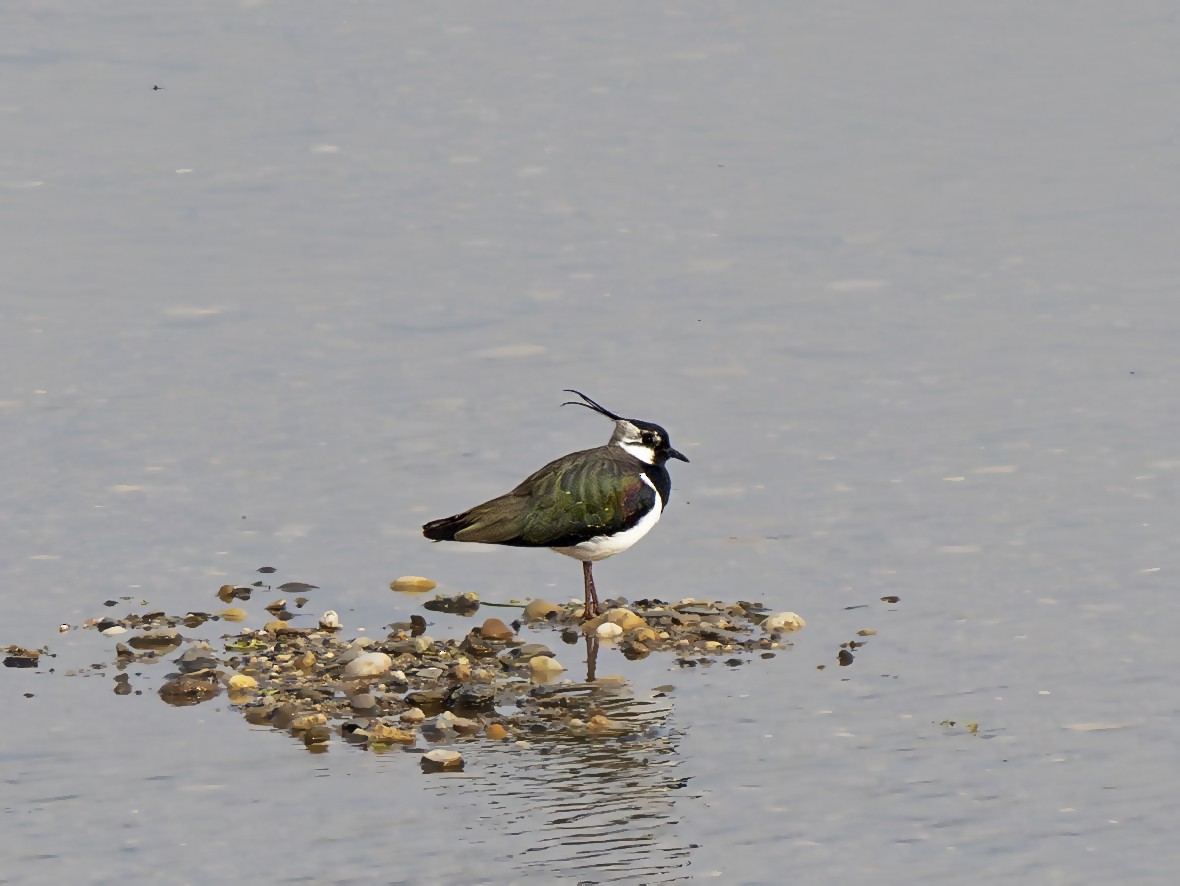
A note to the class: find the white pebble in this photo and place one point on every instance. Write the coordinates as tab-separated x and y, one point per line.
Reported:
783	621
368	664
330	621
608	631
545	666
444	758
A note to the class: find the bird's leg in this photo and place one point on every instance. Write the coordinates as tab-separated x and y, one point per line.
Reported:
591	608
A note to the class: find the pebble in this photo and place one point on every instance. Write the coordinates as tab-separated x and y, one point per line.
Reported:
316	680
422	643
448	720
319	736
307	721
442	759
412	584
783	621
539	609
545	667
234	613
473	697
330	620
495	629
362	701
383	733
368	664
608	630
521	654
198	657
462	672
188	689
20	657
241	683
113	630
428	699
464	604
159	638
624	618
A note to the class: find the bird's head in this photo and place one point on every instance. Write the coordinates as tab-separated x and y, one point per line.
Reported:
645	440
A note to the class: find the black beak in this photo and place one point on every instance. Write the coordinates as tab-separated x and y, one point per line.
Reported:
672	453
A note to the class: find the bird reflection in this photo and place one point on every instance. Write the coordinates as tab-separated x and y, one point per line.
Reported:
592	797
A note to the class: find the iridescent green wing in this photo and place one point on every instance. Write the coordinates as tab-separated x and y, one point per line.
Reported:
596	492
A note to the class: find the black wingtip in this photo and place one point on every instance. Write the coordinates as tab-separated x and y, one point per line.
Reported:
590	404
444	529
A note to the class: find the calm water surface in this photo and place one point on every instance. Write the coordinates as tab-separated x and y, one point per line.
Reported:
900	281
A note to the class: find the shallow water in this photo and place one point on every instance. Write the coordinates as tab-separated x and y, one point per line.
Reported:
901	283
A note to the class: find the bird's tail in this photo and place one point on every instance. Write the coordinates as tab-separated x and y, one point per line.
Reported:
445	529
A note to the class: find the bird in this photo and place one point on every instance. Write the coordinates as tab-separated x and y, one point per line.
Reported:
588	505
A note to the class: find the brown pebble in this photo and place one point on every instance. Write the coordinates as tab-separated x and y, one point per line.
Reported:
461	672
539	609
382	733
866	632
495	629
496	732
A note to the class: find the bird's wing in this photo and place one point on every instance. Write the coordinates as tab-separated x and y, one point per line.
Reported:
570	500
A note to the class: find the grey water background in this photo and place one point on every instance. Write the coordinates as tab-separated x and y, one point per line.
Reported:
900	279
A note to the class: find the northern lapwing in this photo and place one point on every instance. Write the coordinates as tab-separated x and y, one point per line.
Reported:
588	505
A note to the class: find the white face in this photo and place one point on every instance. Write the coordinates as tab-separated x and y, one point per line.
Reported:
640	443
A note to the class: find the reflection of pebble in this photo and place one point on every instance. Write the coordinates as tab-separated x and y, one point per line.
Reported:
463	604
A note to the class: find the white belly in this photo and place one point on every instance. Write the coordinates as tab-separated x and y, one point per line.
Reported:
601	546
